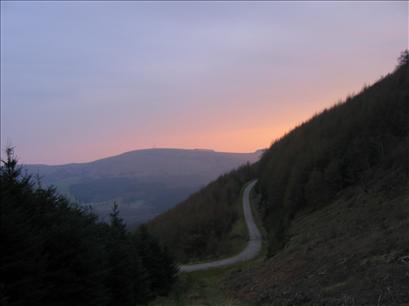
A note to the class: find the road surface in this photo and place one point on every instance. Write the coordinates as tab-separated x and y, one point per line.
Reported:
253	246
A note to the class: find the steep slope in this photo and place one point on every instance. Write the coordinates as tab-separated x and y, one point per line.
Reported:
209	223
144	182
354	251
362	143
334	201
252	249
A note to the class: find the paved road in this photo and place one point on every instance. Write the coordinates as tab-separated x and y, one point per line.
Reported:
253	246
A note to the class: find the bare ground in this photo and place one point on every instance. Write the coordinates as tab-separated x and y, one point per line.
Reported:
352	252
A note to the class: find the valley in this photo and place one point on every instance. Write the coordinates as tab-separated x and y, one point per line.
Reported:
144	183
204	153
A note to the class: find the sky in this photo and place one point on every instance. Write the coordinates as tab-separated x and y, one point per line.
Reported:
86	80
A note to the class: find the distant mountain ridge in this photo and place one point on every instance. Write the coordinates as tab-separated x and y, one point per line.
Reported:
143	182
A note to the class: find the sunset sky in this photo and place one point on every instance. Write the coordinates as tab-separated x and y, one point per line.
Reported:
85	80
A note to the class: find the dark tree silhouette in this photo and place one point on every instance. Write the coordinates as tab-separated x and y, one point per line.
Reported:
56	253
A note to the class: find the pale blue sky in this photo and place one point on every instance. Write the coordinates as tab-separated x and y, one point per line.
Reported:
83	80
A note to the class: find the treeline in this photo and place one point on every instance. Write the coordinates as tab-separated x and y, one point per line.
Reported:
54	253
198	227
361	143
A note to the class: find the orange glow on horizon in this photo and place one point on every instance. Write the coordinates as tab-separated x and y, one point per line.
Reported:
244	135
240	140
229	77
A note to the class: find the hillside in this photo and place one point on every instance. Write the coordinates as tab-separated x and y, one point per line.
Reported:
144	183
333	197
361	143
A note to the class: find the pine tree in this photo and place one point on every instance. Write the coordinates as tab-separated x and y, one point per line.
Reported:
56	253
120	262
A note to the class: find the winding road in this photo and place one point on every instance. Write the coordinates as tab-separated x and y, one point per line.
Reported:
253	246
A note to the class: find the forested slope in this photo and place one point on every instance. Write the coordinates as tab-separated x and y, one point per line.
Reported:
360	143
201	226
334	199
335	203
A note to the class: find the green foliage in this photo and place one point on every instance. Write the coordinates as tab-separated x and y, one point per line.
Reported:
54	253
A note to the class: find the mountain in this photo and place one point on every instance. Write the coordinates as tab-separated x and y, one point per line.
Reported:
144	183
333	198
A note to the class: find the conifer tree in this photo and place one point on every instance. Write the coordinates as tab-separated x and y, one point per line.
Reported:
56	253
